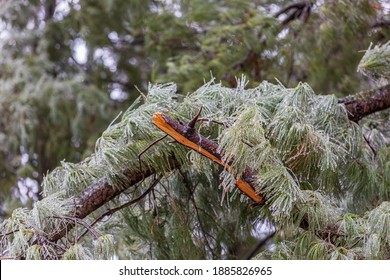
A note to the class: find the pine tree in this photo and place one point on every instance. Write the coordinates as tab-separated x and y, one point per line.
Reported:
245	163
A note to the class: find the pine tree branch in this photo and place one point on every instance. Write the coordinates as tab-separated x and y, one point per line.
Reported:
147	148
363	104
224	124
259	245
127	204
381	23
295	11
99	193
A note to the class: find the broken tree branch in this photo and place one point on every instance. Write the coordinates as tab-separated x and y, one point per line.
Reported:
187	136
101	192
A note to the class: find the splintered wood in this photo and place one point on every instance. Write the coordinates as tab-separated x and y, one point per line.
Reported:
187	136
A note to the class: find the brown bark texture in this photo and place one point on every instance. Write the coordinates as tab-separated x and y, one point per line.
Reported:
363	104
95	196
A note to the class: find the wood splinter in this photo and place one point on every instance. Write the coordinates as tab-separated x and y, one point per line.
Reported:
186	135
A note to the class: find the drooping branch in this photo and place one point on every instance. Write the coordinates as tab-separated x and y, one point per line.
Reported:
100	193
366	103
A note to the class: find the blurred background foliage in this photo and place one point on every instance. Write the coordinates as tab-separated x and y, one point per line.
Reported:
68	67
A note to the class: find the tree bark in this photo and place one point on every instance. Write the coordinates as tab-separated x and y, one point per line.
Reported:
95	196
98	194
363	104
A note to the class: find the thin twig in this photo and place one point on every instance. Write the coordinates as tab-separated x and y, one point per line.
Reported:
296	6
369	145
260	244
192	189
247	143
78	221
9	233
224	124
148	147
295	11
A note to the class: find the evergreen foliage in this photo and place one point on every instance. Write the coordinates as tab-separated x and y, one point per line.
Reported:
376	61
298	150
325	178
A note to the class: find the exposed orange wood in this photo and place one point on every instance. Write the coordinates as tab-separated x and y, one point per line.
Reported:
248	190
245	187
159	121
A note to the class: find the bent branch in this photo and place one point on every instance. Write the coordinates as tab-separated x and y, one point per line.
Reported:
100	193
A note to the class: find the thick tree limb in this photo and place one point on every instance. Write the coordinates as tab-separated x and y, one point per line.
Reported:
368	102
99	193
127	204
